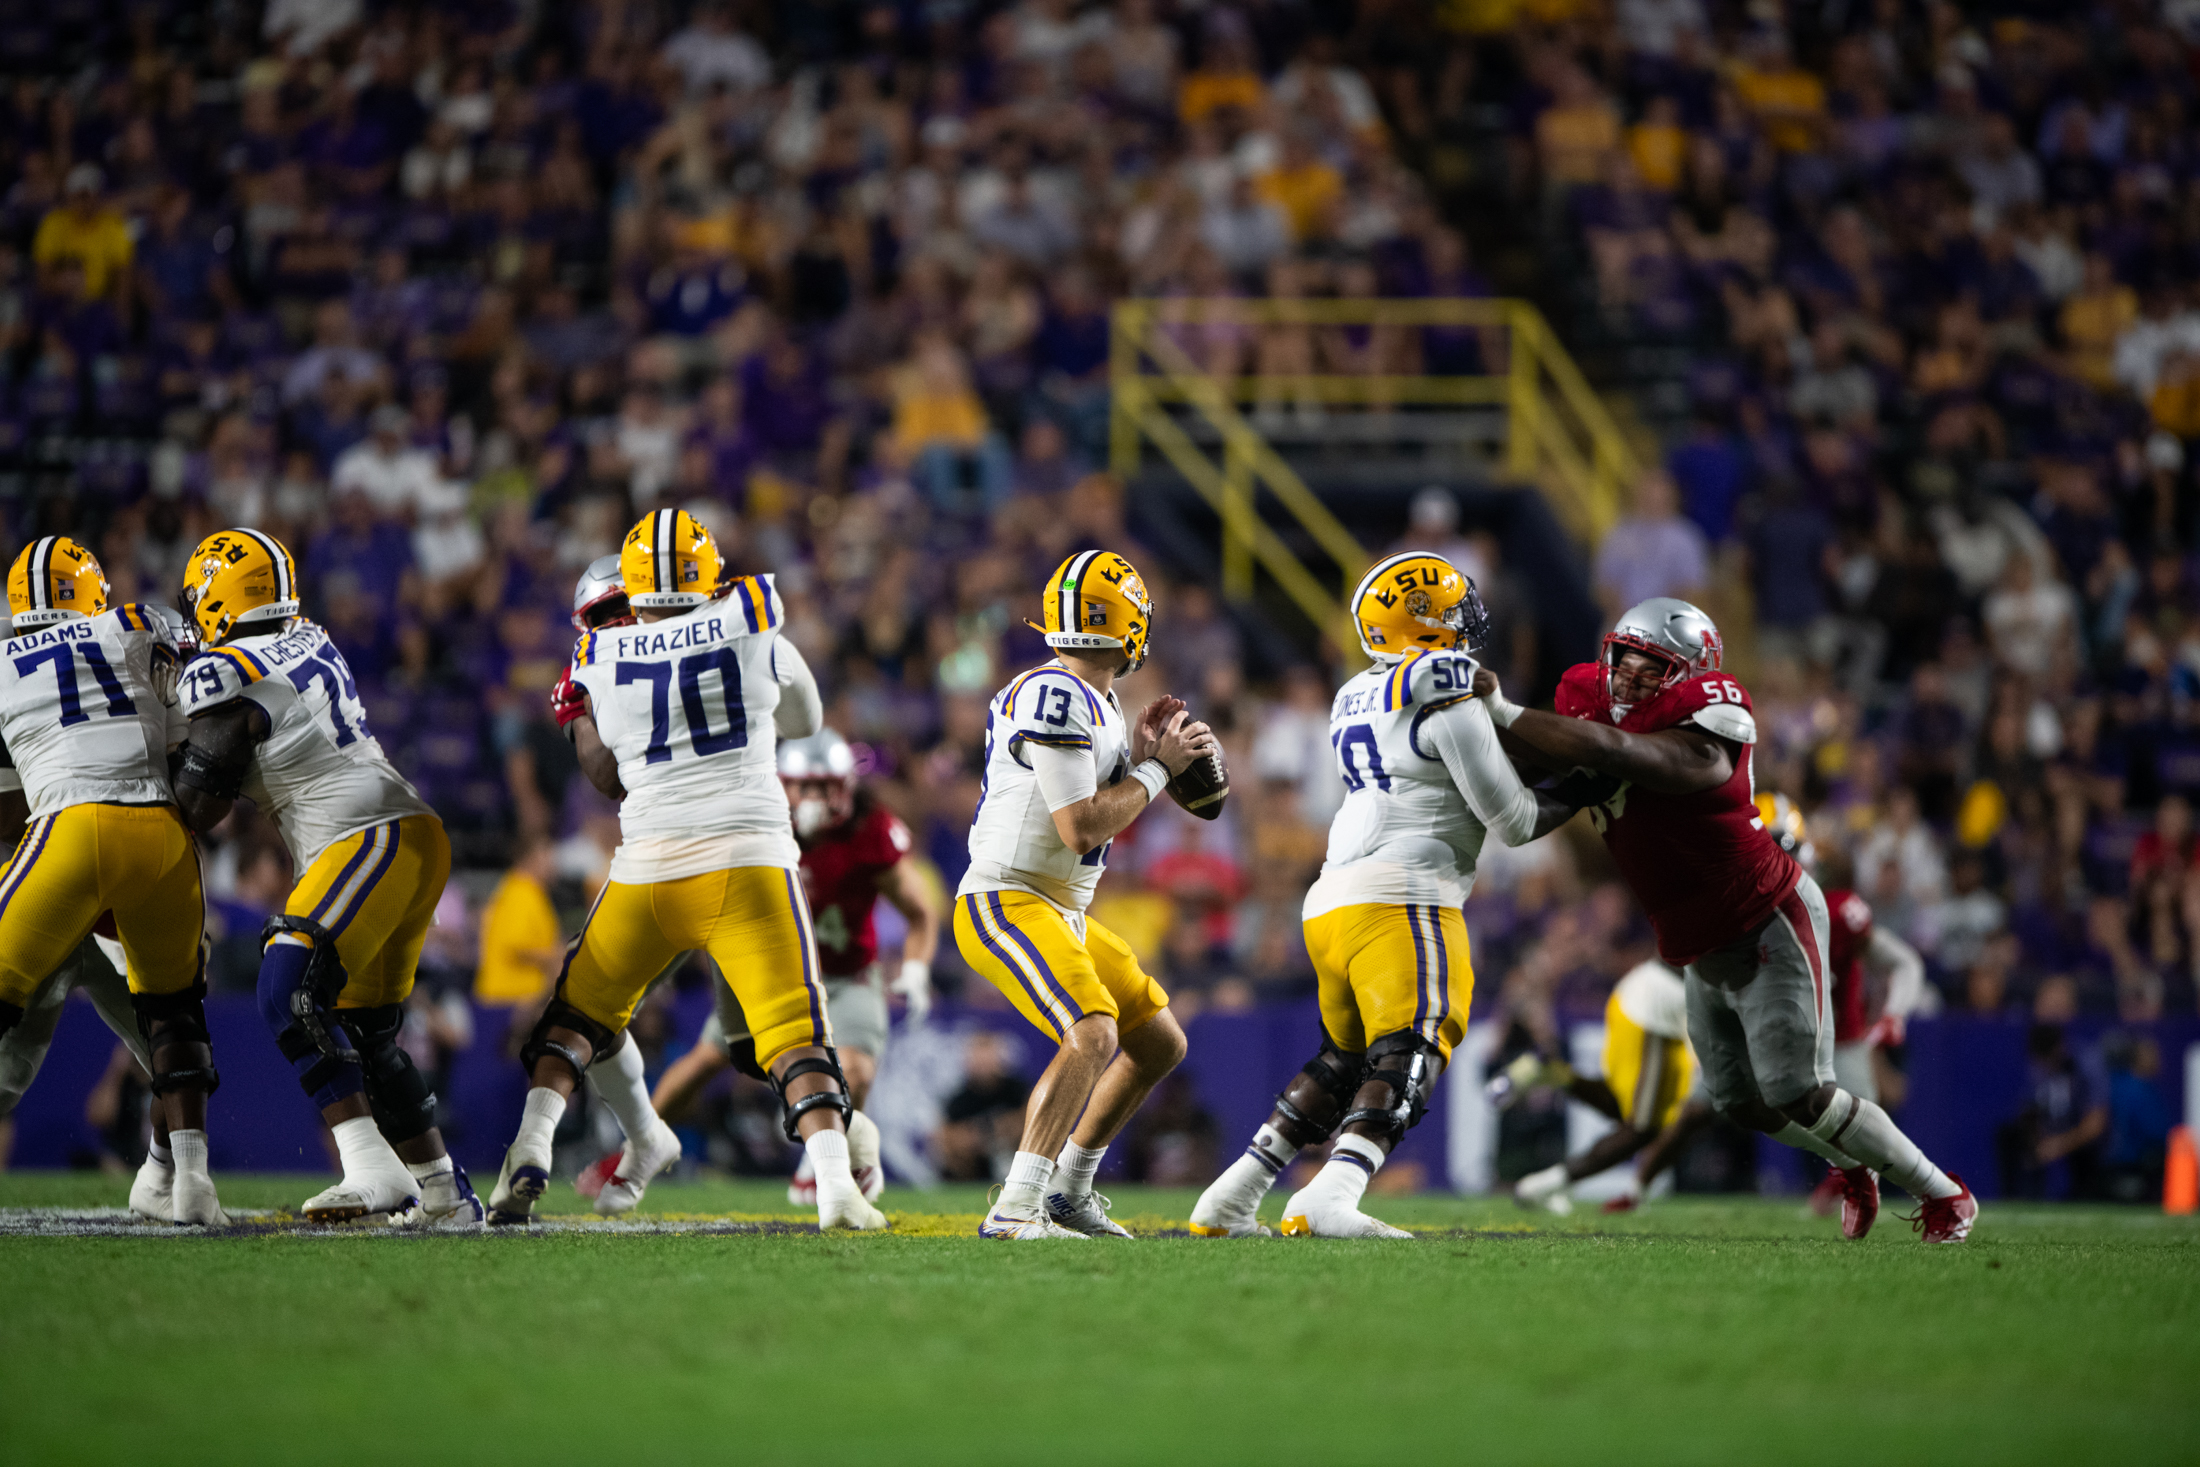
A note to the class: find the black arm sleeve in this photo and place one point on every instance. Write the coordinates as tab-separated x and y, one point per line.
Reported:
218	752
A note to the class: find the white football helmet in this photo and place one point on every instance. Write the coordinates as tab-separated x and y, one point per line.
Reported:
1676	635
599	596
819	773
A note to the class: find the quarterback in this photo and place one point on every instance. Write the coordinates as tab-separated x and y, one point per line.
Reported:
678	717
1425	785
275	715
1731	909
1065	773
87	717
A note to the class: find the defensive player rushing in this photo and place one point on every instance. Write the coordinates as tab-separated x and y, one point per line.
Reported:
1647	1090
852	850
1065	773
87	717
682	712
275	715
1744	922
1425	785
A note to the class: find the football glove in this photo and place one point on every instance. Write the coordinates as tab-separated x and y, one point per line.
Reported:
913	985
568	701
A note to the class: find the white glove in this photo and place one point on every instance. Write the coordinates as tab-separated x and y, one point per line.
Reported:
914	987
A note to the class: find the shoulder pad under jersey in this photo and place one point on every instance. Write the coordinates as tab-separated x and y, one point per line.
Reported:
1584	692
1426	679
1711	701
1051	705
757	599
218	675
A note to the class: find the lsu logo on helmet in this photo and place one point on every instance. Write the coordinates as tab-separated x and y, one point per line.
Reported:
237	578
1417	601
53	579
1095	600
670	562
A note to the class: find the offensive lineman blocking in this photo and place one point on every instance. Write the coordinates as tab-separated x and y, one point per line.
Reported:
684	710
1425	785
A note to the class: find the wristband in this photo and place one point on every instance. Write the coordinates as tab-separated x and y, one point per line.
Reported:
1154	775
1503	711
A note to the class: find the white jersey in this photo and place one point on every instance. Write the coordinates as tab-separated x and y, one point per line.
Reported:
1425	781
319	775
1013	843
1655	998
686	705
87	711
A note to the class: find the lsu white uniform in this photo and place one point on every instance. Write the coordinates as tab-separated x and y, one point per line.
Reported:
87	715
371	856
1020	912
1648	1065
707	857
1425	785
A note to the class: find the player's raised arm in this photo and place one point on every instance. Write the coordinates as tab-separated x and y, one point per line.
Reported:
1672	761
1462	734
801	710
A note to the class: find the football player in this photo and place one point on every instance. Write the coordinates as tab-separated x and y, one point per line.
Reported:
1065	773
1647	1089
275	715
852	849
1741	919
678	717
87	717
1425	785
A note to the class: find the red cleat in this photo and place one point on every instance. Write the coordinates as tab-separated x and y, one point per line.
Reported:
1825	1198
1625	1202
591	1182
1946	1219
1859	1193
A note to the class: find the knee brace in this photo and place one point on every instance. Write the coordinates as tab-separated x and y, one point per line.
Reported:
1336	1074
398	1094
167	1020
10	1015
796	1109
1408	1064
304	993
562	1015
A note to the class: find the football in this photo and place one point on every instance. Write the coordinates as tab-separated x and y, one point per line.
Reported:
1203	787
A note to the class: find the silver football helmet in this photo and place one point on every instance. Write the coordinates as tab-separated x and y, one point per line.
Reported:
823	755
1678	636
595	593
822	758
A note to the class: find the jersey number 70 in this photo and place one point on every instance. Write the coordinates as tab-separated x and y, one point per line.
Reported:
691	669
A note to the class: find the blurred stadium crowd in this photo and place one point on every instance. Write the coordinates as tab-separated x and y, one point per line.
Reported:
444	296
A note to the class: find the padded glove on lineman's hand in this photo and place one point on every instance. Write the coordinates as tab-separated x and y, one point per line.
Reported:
568	701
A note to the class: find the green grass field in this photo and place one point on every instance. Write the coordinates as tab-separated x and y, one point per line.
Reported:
1730	1330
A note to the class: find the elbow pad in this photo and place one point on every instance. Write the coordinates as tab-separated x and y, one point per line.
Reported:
217	773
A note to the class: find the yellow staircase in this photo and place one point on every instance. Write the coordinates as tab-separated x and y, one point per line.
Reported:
1558	436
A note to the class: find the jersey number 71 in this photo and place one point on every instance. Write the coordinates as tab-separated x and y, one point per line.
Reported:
63	656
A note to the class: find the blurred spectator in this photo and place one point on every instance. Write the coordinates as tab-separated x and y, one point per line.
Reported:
2064	1118
522	946
2139	1120
1652	551
396	479
983	1119
87	236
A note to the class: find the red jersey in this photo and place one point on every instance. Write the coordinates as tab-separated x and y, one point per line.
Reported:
840	872
1702	865
1852	937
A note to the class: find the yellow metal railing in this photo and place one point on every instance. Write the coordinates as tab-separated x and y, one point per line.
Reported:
1557	433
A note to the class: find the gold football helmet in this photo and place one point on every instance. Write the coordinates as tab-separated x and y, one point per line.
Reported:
1097	599
239	578
1784	823
52	580
669	562
1415	602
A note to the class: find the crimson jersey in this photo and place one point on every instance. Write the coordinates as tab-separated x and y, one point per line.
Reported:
1702	865
840	872
1852	935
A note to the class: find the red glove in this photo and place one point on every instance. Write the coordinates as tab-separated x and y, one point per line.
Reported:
568	701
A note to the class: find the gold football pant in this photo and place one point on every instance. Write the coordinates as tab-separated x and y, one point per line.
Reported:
1648	1075
1051	971
375	891
1384	969
752	920
137	861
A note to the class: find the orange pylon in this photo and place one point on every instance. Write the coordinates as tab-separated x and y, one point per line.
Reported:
2181	1176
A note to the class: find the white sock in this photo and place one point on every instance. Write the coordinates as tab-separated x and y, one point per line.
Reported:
359	1145
1272	1146
1245	1181
1546	1183
828	1153
1075	1168
190	1151
1871	1134
1027	1182
1802	1140
424	1171
1352	1164
158	1151
617	1078
545	1108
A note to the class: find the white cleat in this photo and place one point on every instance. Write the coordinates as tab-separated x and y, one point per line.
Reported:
520	1185
1011	1226
195	1203
850	1211
153	1193
1224	1212
448	1204
1546	1189
638	1164
1086	1213
366	1195
1311	1215
863	1162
